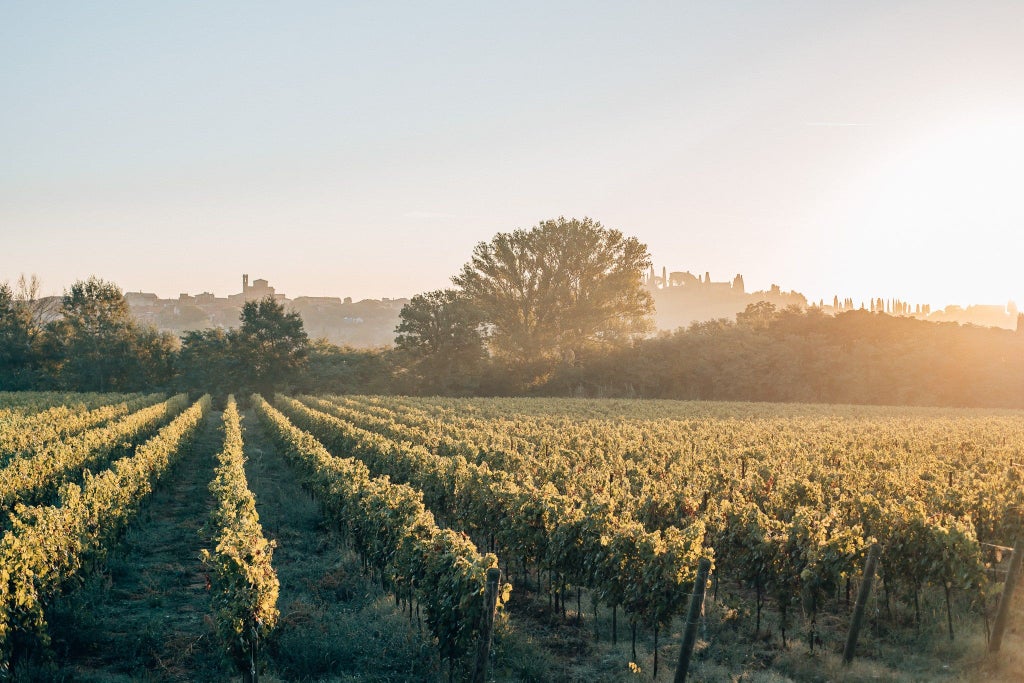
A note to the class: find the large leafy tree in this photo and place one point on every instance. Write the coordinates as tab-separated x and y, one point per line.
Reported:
96	344
556	290
440	333
272	345
89	346
18	356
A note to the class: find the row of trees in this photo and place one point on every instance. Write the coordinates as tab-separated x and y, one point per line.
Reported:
807	356
767	355
555	310
91	342
526	302
559	310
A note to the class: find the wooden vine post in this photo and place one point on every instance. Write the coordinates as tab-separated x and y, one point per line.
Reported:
692	619
862	600
1004	601
486	626
252	675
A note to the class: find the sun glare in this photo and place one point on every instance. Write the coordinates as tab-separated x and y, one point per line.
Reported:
940	220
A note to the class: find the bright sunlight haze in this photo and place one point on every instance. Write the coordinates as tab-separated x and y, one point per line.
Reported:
362	149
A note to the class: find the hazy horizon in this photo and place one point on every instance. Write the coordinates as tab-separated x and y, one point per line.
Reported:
852	149
47	289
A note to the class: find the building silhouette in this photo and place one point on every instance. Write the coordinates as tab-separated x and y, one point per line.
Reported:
682	298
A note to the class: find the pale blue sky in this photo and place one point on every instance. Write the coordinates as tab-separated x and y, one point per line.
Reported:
362	149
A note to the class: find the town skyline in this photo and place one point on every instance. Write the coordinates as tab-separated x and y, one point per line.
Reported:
680	298
169	283
653	279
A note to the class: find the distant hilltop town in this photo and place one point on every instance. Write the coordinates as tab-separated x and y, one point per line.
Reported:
366	323
680	299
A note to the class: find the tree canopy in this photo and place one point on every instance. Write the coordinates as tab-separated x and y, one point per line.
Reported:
97	345
271	344
555	290
207	363
91	344
266	353
17	355
440	335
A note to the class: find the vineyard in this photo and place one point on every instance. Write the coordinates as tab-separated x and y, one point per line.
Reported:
397	538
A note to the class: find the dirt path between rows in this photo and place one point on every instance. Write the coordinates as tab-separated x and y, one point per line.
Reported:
335	623
145	618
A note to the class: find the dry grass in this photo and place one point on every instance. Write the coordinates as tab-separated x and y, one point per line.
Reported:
536	645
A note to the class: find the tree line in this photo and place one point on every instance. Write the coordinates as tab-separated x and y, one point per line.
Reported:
807	356
788	355
91	342
559	310
556	310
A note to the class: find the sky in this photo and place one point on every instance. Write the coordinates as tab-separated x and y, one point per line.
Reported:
861	149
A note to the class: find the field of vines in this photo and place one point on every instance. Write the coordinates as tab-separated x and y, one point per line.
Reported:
512	539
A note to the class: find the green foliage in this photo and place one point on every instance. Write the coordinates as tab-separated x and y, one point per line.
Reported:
790	355
153	358
557	289
271	345
244	584
622	497
96	344
26	436
18	353
441	338
619	558
208	361
330	368
757	315
24	403
47	546
541	346
92	340
32	477
390	527
268	352
656	570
